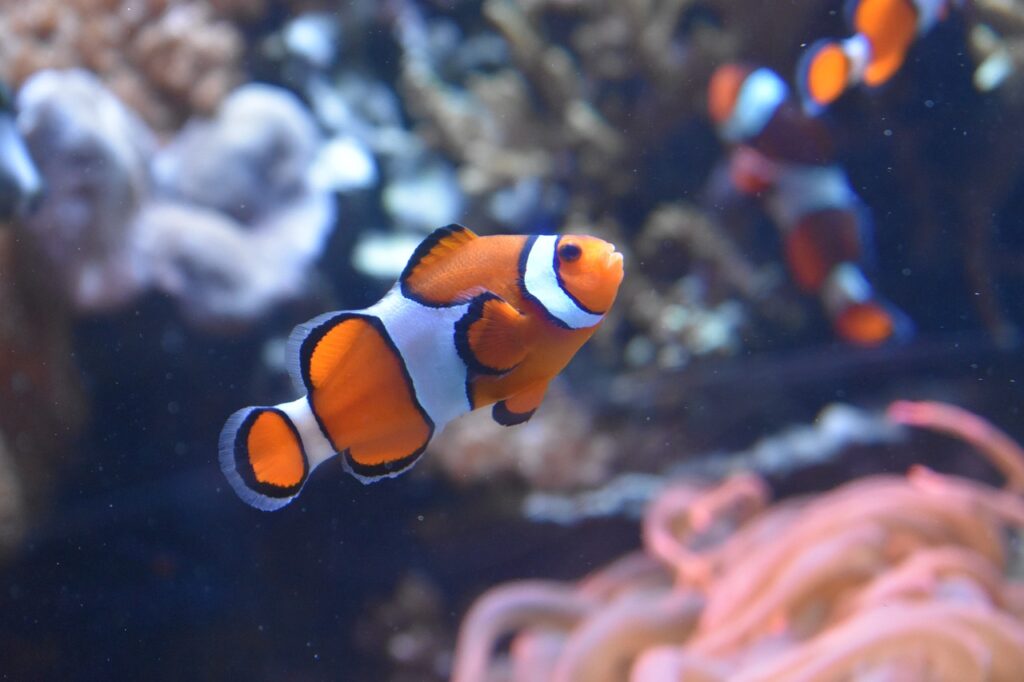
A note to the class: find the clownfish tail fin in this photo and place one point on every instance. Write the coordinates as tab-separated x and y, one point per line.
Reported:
263	457
823	74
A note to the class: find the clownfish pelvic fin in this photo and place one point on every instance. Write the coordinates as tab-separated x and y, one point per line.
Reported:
518	408
491	337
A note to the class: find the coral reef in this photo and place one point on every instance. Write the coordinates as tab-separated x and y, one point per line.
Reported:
559	448
412	624
166	60
885	576
556	133
837	428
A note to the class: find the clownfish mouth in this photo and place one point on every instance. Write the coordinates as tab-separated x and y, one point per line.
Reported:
614	263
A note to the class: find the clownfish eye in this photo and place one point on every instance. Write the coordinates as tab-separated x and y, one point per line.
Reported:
569	252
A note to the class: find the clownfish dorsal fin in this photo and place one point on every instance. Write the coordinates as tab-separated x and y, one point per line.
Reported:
518	408
432	254
491	337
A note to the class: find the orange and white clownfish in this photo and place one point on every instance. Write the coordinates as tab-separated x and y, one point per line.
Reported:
824	226
751	106
785	157
472	321
883	33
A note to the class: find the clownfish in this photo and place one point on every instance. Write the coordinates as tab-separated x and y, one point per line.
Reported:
883	33
786	157
20	182
472	321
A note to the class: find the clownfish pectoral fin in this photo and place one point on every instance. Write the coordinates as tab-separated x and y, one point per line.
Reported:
491	336
430	257
262	456
361	394
823	74
518	408
878	71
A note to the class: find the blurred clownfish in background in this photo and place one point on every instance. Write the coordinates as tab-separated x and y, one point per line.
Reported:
472	321
20	182
883	33
786	157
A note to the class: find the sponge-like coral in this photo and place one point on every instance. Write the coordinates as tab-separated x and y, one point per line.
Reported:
237	220
94	154
165	59
225	219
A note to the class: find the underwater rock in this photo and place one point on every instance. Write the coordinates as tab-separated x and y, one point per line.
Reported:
93	155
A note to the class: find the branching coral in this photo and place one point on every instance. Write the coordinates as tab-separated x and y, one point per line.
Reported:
165	59
888	577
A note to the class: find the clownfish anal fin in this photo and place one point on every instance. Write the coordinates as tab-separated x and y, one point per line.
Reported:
490	338
385	458
432	256
518	408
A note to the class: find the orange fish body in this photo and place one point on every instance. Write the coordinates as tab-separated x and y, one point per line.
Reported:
785	157
473	321
884	30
